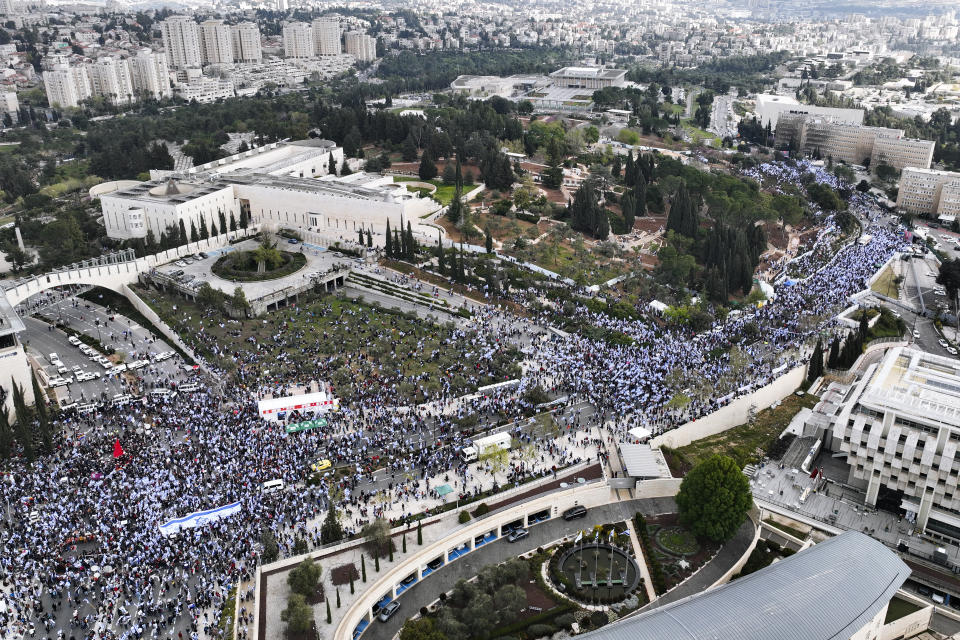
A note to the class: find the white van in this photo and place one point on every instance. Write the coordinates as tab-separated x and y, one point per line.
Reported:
271	486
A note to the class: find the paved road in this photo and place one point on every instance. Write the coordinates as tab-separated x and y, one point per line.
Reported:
444	579
94	320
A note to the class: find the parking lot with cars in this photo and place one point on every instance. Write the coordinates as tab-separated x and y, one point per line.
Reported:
83	372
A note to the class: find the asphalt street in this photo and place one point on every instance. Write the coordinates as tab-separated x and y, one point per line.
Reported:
444	579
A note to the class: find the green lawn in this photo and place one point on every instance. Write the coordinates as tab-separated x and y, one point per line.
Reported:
694	130
444	192
886	285
796	533
747	443
355	346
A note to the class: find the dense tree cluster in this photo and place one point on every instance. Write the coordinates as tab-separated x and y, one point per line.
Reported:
714	498
587	214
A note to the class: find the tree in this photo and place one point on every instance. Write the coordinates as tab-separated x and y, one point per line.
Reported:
508	600
331	531
404	542
449	174
389	240
833	358
363	567
329	616
421	629
345	168
427	170
949	277
420	532
369	239
24	430
377	534
298	615
714	498
305	577
6	435
488	240
193	232
815	370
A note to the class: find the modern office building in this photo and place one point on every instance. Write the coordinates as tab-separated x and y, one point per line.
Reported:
899	429
588	77
770	107
839	589
361	46
181	39
216	42
246	43
326	36
297	40
823	137
285	184
929	192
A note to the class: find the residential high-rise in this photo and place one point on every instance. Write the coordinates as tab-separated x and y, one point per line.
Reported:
925	191
150	75
216	41
246	43
326	36
361	46
110	78
10	106
181	39
66	86
297	40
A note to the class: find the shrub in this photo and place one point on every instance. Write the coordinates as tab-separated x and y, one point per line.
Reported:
540	630
464	517
481	510
565	621
598	619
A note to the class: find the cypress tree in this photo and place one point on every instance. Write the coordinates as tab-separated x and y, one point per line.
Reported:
376	562
411	245
329	617
193	232
223	222
369	239
24	431
338	597
389	241
360	237
832	359
204	232
488	240
815	370
351	584
404	253
397	245
363	567
404	543
6	435
244	218
183	238
628	206
420	532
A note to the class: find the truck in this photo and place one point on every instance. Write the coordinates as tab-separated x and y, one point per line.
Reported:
473	451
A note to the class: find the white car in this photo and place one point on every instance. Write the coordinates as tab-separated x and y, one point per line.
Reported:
916	334
166	355
942	343
74	340
180	263
59	382
54	358
106	364
137	364
951	351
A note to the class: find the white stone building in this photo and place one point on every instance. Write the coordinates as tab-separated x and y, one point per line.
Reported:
297	40
181	39
216	42
929	192
361	46
246	43
326	36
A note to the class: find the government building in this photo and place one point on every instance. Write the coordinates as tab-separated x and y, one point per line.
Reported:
284	185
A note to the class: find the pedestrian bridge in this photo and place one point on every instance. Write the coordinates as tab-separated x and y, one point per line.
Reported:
115	270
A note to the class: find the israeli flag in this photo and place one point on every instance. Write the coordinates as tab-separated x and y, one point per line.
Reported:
579	537
199	518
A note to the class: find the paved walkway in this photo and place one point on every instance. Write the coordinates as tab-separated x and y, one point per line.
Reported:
641	561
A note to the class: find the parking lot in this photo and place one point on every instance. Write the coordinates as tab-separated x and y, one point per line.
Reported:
85	373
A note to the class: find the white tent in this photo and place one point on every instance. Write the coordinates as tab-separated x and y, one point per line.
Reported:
640	433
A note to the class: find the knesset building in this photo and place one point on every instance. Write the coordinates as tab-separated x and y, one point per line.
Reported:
285	184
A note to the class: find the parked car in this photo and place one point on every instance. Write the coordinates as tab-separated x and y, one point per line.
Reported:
387	612
573	513
518	534
435	564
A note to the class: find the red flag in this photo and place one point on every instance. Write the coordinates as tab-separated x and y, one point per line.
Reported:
117	449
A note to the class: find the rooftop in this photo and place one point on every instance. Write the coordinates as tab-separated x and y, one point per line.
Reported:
910	381
829	591
588	72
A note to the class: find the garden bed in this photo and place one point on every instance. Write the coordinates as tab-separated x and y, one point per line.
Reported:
241	266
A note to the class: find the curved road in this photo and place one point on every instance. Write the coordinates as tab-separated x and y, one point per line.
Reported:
444	579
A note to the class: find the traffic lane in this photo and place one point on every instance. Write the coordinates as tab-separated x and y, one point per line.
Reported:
444	579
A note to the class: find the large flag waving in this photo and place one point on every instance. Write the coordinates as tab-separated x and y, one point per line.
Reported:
117	449
579	537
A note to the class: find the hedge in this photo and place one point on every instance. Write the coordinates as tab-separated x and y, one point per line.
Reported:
542	617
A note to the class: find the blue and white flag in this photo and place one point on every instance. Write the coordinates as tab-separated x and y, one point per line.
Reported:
579	537
199	518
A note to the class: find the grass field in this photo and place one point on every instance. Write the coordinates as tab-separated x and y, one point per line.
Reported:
746	443
444	192
886	284
696	131
358	348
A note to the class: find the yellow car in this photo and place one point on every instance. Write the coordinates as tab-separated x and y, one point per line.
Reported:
321	465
